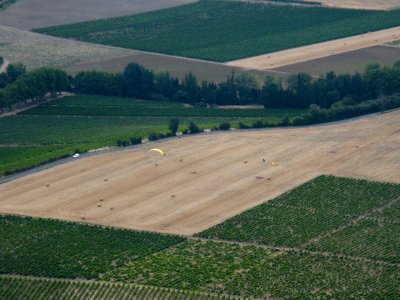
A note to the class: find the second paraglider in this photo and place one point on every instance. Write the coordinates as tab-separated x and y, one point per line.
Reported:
158	150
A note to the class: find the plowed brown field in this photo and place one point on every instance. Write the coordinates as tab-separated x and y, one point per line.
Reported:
205	179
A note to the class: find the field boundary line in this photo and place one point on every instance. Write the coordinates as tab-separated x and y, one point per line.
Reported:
295	249
352	222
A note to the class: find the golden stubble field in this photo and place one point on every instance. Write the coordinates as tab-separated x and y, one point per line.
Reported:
205	179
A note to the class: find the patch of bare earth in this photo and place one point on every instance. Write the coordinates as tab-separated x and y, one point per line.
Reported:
205	179
319	50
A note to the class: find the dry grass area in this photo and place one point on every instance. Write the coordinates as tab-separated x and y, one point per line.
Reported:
35	50
319	50
361	4
29	14
349	62
205	179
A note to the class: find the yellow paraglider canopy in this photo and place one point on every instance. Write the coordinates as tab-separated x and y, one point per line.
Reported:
274	164
158	150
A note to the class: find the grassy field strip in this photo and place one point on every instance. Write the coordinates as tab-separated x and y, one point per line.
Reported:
21	287
319	50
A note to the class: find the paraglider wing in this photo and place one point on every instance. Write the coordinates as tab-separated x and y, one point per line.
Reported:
158	150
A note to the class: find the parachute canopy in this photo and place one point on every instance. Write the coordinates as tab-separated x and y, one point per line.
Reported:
158	150
274	164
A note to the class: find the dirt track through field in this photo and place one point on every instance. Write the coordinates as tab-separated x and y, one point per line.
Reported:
319	50
205	179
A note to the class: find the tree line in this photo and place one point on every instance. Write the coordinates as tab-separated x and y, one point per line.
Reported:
298	91
17	86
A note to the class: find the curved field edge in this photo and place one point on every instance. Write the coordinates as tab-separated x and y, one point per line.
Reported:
190	30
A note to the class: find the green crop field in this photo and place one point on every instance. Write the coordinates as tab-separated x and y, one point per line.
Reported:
60	249
227	30
256	272
42	289
51	248
329	213
86	122
376	236
113	106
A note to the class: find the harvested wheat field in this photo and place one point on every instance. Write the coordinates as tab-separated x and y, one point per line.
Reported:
205	179
319	50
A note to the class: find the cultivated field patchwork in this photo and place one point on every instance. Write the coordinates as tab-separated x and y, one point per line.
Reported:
204	180
28	14
35	50
319	50
204	29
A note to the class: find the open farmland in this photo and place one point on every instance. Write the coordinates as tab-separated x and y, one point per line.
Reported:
36	50
348	62
189	266
28	14
204	180
205	29
315	51
57	128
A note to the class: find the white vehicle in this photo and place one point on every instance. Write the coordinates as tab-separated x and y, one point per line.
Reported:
76	155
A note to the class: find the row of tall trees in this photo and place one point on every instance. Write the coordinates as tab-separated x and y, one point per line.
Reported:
298	91
138	82
301	90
